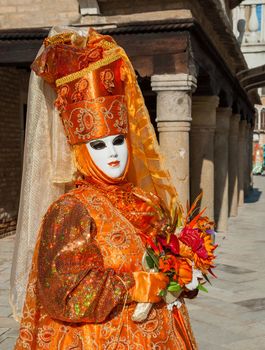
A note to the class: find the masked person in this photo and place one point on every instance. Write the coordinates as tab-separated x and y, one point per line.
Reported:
86	275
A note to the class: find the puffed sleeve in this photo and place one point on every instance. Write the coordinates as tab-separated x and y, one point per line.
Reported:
72	283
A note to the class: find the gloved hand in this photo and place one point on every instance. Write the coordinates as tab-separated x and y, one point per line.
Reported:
147	286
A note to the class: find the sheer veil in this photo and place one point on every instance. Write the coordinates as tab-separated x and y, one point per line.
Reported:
47	167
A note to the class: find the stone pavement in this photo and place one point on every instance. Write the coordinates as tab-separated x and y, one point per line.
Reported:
232	315
8	326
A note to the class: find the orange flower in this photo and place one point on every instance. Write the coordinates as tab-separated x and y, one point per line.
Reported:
205	264
185	251
167	263
183	274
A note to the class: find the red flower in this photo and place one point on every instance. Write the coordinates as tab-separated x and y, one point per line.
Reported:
192	238
172	245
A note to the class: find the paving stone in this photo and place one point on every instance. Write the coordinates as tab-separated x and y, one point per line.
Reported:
233	269
257	343
232	315
8	322
253	304
5	311
7	344
3	331
12	332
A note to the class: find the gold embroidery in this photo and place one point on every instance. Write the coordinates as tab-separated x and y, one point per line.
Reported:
61	100
107	78
58	39
80	90
107	44
93	66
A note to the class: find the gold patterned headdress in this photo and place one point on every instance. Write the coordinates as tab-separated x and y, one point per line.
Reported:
89	83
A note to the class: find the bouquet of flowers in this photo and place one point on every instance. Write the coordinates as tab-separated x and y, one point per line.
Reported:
184	251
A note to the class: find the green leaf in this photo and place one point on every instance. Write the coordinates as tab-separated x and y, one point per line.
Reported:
153	257
202	288
173	283
162	293
150	262
174	288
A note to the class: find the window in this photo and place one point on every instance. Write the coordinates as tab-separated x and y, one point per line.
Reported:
258	10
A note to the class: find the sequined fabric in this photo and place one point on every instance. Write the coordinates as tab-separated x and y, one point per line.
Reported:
82	269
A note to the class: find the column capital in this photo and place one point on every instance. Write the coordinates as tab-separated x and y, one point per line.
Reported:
226	112
173	126
204	112
205	102
203	128
173	82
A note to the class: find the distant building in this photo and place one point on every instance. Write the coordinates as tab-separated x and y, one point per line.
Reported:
249	27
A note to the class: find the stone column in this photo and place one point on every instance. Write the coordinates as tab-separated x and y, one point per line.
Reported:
246	160
251	156
202	150
173	122
241	161
233	165
221	147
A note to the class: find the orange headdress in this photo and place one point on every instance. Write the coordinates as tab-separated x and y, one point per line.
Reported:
90	87
97	96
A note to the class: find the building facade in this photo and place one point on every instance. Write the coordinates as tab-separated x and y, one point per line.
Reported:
249	27
187	60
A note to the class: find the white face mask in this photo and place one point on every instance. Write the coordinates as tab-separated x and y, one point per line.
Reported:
110	154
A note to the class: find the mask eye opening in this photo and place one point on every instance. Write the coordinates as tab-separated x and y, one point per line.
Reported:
119	140
97	145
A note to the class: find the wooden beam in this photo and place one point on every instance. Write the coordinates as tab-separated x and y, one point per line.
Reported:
19	51
234	3
153	43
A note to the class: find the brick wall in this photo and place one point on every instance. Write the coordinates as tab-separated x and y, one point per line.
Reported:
38	13
11	144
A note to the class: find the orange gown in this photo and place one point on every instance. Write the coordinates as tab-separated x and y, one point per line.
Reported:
77	297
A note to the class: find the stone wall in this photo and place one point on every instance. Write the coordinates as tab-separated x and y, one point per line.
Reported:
11	145
38	13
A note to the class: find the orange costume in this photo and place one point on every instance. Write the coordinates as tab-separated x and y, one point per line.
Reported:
82	286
